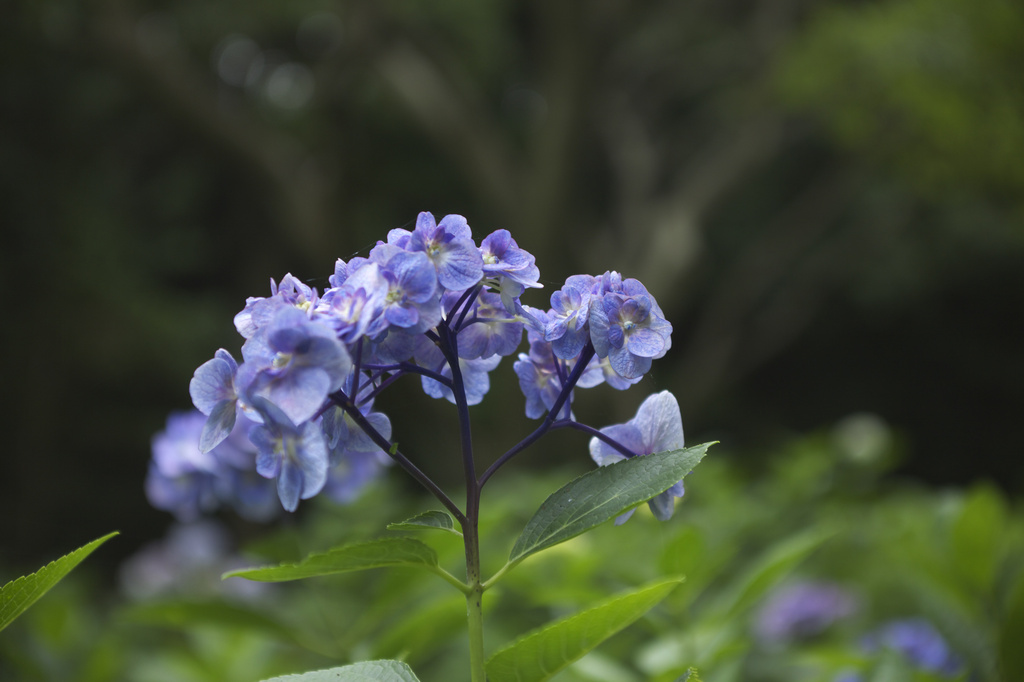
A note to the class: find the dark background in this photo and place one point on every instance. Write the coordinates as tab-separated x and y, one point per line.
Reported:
825	197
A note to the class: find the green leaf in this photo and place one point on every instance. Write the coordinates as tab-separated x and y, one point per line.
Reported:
603	494
690	676
368	671
19	594
768	569
1011	634
354	557
541	654
429	520
977	537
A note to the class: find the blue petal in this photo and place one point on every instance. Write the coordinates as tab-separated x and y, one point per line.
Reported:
212	383
459	265
645	343
289	485
662	506
218	426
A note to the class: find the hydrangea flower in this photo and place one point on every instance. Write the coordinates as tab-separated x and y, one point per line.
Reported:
802	610
489	329
295	363
259	312
514	268
627	326
294	455
449	246
566	325
181	478
657	427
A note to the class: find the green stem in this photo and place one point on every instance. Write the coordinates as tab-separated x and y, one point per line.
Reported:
474	598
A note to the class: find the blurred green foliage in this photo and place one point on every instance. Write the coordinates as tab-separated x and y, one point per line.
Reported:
814	513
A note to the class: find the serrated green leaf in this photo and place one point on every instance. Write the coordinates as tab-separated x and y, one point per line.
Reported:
428	520
354	557
690	676
603	494
19	594
368	671
541	654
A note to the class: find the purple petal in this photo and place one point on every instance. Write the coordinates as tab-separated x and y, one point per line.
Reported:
218	426
212	383
459	265
628	365
457	226
659	422
401	317
645	342
662	506
289	485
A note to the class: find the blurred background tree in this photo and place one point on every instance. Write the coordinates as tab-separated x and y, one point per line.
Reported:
826	198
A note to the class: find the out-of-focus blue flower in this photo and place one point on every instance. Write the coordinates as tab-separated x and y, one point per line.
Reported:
449	246
475	376
295	455
627	326
802	610
920	643
657	427
489	329
189	561
213	393
514	268
181	478
294	363
188	482
355	459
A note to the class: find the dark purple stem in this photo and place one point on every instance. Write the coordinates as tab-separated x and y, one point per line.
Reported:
584	359
342	400
570	424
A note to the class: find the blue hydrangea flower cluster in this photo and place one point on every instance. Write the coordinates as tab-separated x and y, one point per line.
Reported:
429	302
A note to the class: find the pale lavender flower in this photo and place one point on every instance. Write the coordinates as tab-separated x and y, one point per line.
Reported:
657	427
450	248
181	478
355	309
295	455
189	561
412	301
514	268
627	326
295	363
259	311
566	324
489	329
